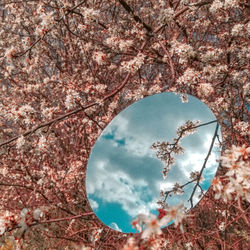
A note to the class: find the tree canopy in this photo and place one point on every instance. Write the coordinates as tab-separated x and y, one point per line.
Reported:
67	67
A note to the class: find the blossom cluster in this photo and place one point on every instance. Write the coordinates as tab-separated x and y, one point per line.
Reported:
177	189
25	113
166	15
164	150
236	161
134	64
196	175
99	57
7	220
205	89
151	225
90	15
188	128
214	72
184	51
208	54
71	98
118	43
219	5
190	77
243	128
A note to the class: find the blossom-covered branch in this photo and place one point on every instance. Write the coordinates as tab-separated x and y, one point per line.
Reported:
165	149
112	93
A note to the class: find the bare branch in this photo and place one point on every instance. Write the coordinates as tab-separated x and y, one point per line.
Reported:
204	164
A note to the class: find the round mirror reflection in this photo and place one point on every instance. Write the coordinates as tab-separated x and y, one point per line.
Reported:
160	150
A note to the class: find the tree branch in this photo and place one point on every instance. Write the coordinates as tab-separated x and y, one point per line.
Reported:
63	219
115	91
136	18
204	164
169	59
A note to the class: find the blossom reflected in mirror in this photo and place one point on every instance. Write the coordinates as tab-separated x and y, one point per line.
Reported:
157	153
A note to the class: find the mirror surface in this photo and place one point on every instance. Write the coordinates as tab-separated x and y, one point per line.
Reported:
124	176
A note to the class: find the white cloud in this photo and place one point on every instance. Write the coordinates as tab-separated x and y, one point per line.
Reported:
193	162
138	143
118	187
93	204
166	185
115	226
207	141
140	146
119	122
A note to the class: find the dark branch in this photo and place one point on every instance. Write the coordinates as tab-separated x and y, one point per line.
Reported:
136	18
204	164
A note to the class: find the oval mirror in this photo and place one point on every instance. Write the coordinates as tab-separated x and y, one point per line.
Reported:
137	164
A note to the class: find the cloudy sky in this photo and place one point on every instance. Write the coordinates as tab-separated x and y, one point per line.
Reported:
124	175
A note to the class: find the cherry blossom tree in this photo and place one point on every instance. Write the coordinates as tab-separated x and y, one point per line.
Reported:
69	66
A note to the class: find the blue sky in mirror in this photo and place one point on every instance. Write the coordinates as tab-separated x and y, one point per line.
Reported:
124	175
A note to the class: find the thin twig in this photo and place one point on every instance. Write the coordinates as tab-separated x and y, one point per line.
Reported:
204	164
63	219
169	59
104	237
